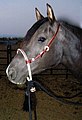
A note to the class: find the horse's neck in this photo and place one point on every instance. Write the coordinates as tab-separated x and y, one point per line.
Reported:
72	52
76	30
72	48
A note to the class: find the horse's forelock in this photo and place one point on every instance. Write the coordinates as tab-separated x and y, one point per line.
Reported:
31	31
34	28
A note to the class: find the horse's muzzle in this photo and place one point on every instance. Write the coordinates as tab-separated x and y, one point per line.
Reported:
11	73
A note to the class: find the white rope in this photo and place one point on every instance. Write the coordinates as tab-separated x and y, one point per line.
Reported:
29	78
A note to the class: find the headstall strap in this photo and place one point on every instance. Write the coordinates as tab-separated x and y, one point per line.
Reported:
54	36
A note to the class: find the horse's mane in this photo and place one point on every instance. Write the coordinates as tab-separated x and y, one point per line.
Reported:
74	29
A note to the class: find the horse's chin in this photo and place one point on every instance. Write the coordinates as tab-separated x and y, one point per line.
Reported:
17	82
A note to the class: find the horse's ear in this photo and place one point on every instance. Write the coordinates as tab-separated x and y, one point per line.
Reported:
50	14
39	16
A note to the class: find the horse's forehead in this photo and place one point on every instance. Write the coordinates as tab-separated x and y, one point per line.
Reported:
43	27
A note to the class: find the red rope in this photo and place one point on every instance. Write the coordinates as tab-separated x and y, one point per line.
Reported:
54	36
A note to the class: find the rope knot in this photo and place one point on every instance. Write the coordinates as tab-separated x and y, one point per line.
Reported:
46	48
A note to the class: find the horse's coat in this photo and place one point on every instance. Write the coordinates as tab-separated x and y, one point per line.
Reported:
65	49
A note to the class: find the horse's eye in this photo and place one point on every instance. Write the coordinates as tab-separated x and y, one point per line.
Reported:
42	39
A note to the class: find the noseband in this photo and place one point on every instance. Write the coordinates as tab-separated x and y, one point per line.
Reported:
46	48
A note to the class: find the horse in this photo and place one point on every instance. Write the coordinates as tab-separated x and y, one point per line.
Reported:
47	43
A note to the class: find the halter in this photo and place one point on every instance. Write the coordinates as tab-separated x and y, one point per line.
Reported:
28	61
46	48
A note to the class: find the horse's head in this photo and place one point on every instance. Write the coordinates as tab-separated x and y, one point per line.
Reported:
38	36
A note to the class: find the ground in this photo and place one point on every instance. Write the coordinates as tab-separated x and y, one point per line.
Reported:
12	98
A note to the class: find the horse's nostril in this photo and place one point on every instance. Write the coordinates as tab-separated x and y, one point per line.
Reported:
12	73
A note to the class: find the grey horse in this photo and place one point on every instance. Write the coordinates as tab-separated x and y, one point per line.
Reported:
65	48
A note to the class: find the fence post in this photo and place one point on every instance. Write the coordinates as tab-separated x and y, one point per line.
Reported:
66	73
9	56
